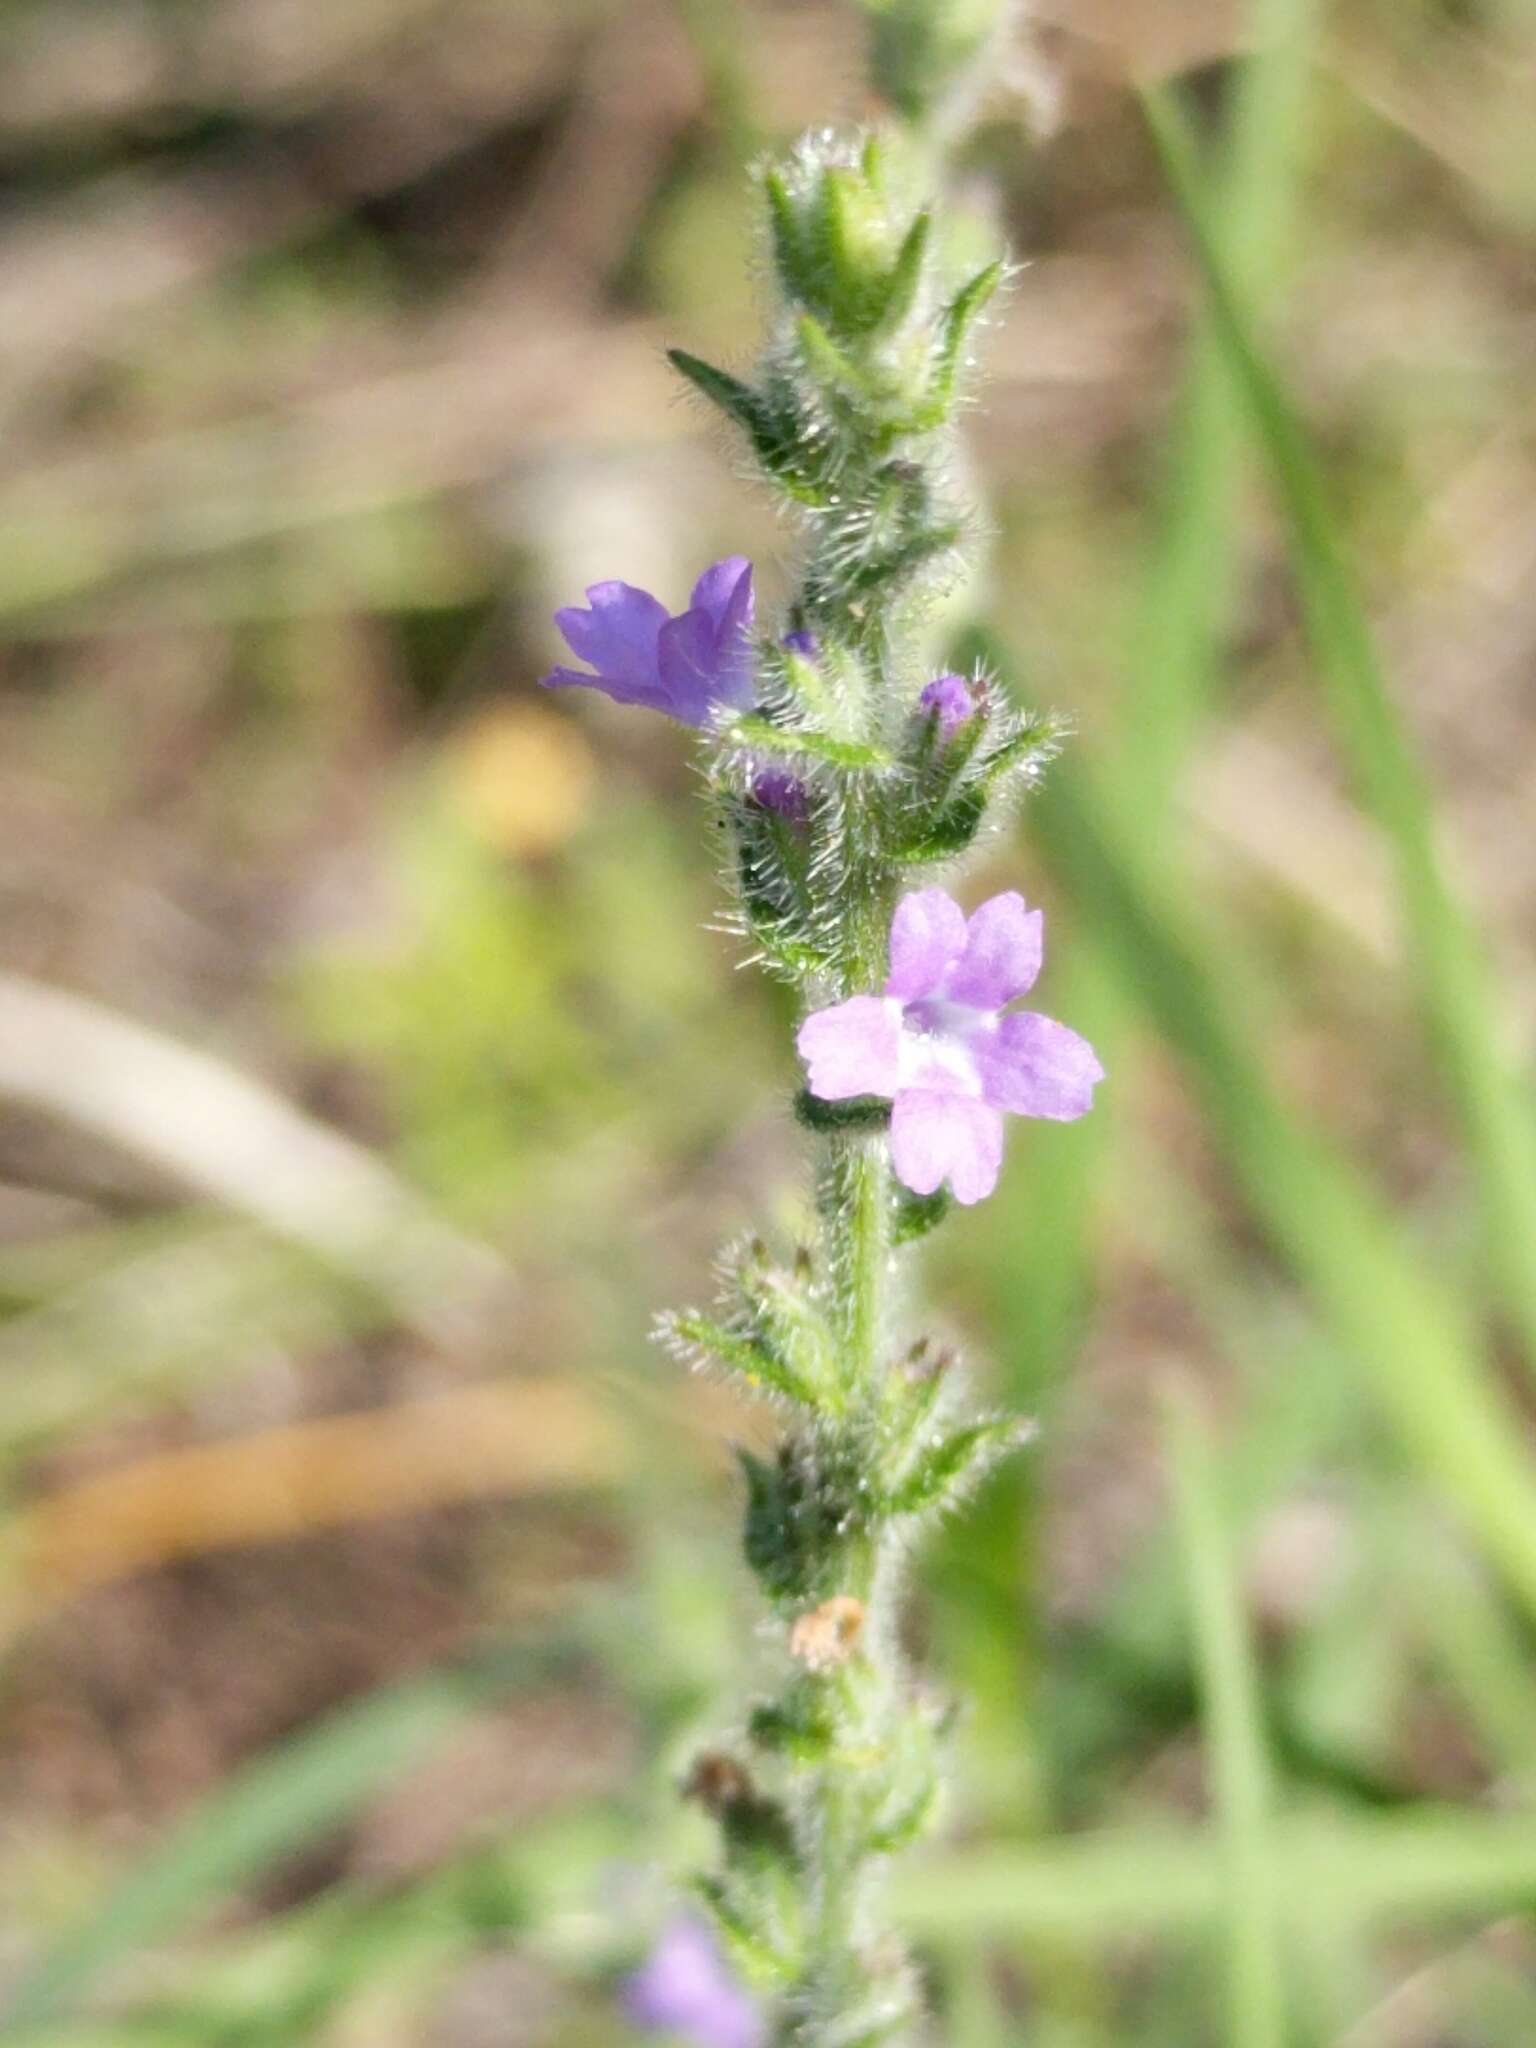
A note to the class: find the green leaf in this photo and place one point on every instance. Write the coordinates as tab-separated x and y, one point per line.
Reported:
736	400
755	1363
775	440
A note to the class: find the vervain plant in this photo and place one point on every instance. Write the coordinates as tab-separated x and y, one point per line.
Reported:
842	777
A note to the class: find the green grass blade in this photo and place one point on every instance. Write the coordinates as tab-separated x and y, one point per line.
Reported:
1238	1763
1411	1336
1459	990
271	1810
1184	608
1362	1870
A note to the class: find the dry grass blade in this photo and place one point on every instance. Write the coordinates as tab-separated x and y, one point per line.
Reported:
229	1137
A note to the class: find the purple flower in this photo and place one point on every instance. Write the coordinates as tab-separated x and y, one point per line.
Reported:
938	1044
688	666
952	698
806	645
684	1988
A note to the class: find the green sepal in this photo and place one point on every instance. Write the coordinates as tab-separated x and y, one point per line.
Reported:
954	326
1036	742
957	1461
855	235
893	565
916	1215
916	1400
804	682
770	861
789	741
951	832
792	259
906	274
951	754
857	1113
830	365
797	960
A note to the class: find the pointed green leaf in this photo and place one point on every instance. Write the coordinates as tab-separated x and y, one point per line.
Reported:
775	441
761	1368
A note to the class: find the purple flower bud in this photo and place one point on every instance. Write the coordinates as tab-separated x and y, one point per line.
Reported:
806	645
685	1988
939	1045
952	700
689	666
776	789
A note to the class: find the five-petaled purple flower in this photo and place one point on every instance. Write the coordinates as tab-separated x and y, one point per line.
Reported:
940	1046
689	666
952	700
684	1988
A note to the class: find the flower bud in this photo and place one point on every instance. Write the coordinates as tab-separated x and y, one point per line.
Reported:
950	701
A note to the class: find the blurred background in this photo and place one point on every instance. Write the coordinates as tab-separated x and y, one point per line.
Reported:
370	1075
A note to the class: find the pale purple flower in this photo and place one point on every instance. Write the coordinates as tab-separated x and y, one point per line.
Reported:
689	666
685	1988
953	699
940	1044
806	645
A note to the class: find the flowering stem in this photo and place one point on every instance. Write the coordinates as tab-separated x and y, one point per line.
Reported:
839	777
856	1240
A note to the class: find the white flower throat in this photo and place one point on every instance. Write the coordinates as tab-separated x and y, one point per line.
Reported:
935	1047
